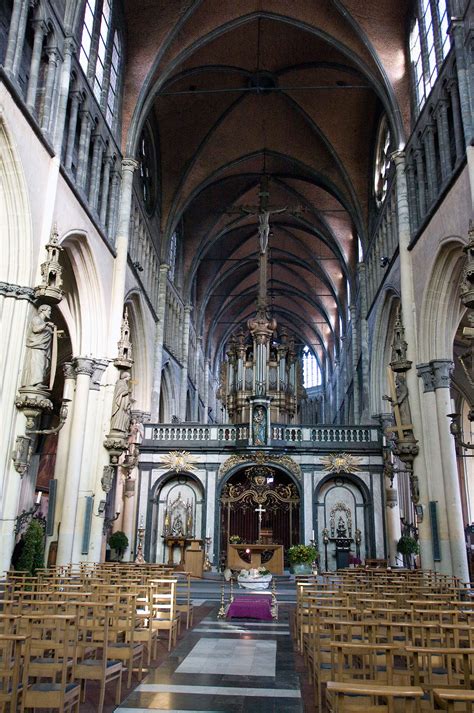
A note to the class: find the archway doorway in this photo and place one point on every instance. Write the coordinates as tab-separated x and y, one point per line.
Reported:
259	504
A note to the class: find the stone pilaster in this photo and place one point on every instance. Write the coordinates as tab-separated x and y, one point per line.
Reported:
185	367
84	368
47	115
71	131
159	336
39	30
407	300
69	50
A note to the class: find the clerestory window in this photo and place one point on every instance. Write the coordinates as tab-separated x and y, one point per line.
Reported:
429	45
311	370
100	55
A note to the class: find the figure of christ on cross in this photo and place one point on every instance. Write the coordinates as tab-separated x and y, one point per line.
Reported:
260	510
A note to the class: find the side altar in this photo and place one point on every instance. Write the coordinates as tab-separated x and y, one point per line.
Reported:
246	556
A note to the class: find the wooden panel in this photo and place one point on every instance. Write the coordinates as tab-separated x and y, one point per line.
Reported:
275	565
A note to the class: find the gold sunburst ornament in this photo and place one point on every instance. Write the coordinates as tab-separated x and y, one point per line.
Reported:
179	461
341	463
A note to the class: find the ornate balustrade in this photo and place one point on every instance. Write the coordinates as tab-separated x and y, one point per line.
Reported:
334	437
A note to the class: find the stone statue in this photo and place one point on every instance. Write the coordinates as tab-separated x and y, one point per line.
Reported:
38	343
259	426
401	390
177	528
120	420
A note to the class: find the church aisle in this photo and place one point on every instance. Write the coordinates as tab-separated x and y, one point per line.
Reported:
234	666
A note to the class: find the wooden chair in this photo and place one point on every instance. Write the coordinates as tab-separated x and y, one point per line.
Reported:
54	665
95	662
454	700
352	697
441	668
123	645
10	658
184	604
163	608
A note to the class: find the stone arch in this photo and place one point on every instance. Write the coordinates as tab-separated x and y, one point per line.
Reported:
141	370
441	304
381	350
84	307
167	396
167	488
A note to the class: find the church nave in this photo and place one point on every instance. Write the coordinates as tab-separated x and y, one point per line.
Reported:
236	666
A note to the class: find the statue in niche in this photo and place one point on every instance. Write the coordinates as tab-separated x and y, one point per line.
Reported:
341	530
177	528
38	343
259	426
121	409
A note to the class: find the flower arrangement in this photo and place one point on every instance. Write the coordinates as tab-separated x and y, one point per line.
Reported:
235	539
302	554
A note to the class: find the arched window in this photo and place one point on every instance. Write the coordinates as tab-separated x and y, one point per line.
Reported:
382	162
311	370
429	45
172	256
100	55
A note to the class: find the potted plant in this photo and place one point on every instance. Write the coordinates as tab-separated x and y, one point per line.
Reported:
301	557
408	547
32	554
235	540
118	542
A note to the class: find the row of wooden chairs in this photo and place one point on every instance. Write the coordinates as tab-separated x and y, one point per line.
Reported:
387	641
58	632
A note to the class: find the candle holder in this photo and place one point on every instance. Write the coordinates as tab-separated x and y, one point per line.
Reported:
139	559
231	590
274	605
207	566
221	612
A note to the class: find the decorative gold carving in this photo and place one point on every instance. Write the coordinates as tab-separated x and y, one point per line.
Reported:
179	461
256	491
260	458
341	463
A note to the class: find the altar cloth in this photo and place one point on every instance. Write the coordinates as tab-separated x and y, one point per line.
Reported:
251	607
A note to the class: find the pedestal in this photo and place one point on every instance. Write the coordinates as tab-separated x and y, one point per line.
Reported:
194	558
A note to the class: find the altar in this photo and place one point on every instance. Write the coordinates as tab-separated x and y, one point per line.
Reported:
253	558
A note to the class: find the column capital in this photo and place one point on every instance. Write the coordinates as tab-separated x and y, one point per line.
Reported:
129	164
70	45
99	367
53	54
164	267
442	370
398	157
141	416
69	370
425	372
39	25
188	308
84	366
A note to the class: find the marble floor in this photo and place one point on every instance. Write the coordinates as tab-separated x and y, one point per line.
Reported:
237	666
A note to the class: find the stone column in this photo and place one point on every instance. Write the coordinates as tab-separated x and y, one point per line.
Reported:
84	139
413	193
409	321
53	57
84	370
17	37
430	152
159	336
71	131
420	188
392	514
121	246
364	348
442	369
13	37
96	170
355	358
64	83
60	467
206	390
443	138
112	210
40	30
197	362
105	189
457	124
457	34
185	367
435	484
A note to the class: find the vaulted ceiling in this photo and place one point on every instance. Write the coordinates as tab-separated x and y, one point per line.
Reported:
290	89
